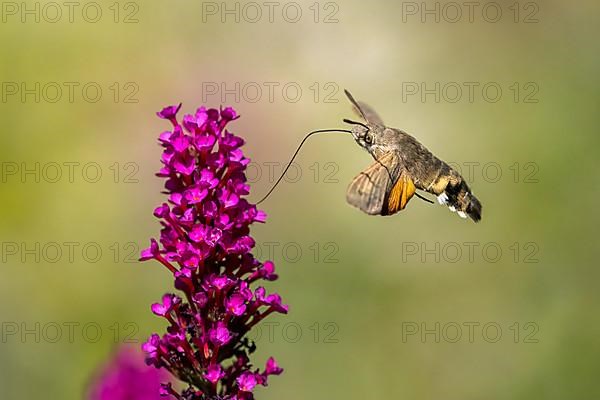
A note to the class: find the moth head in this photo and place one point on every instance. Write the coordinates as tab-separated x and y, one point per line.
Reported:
366	135
370	134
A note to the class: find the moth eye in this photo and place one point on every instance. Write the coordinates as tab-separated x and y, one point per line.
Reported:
368	139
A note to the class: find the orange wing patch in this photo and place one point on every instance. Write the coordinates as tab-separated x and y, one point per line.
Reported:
401	193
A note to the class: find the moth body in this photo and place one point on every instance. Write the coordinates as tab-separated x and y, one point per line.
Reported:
403	165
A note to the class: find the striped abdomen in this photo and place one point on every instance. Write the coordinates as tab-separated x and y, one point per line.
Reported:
451	189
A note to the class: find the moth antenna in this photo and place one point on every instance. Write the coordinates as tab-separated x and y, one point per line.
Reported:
295	154
349	121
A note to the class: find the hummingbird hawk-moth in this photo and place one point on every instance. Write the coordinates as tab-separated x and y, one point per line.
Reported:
402	165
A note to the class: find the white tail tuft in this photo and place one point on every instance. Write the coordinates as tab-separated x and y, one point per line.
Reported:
442	198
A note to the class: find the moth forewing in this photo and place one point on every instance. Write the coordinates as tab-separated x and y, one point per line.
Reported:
365	111
368	191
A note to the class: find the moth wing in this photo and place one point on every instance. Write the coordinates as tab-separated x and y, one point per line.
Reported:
364	110
368	190
401	193
369	114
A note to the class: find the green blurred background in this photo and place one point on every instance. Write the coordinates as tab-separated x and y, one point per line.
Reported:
361	283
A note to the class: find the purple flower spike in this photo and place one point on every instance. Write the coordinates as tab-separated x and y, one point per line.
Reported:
205	243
